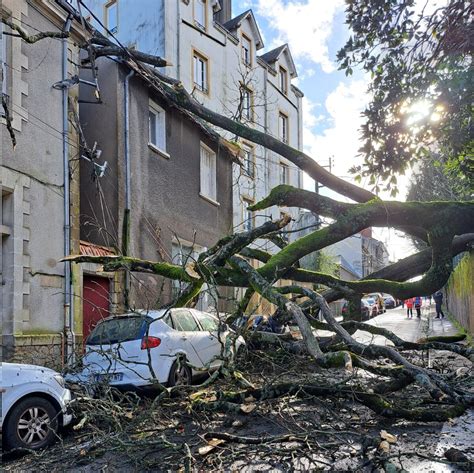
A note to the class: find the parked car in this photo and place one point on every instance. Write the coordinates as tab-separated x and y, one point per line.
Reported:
34	406
365	310
390	302
372	305
379	300
121	349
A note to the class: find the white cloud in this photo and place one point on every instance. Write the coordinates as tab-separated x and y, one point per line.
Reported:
340	140
305	25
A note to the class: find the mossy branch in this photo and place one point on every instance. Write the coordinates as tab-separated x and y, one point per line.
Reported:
31	39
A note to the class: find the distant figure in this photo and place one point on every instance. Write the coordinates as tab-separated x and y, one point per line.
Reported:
438	298
409	304
418	301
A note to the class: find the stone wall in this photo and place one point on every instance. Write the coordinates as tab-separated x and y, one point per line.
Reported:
460	292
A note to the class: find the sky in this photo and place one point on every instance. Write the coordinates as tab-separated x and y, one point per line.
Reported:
315	30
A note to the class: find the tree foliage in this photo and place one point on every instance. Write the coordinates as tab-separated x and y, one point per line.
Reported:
418	56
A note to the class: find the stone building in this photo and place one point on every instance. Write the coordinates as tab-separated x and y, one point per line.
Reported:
39	218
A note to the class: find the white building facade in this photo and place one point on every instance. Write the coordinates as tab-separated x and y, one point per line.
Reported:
221	60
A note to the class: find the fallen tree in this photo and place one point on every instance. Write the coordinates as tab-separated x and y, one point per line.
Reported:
224	265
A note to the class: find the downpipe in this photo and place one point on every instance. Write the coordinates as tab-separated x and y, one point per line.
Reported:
128	197
68	299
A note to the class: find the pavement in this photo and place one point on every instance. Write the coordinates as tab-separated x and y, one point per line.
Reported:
409	329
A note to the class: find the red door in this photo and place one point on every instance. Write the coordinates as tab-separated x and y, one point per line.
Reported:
96	300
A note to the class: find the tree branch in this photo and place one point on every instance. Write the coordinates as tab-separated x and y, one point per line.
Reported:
30	39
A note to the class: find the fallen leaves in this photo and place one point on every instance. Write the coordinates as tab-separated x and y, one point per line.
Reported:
211	445
248	408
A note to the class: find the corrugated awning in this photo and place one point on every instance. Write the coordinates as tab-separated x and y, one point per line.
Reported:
90	249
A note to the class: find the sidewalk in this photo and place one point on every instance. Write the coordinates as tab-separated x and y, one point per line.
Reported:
410	330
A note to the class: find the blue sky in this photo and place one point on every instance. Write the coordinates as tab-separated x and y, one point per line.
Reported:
315	31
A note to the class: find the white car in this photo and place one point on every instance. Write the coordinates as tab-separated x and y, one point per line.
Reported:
136	349
34	405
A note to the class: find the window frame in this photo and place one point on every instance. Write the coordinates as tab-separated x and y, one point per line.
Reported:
248	217
283	119
207	149
5	59
247	111
158	111
196	22
205	60
283	80
109	4
284	177
245	38
249	150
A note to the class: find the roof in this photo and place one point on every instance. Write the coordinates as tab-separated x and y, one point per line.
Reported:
272	56
90	249
233	24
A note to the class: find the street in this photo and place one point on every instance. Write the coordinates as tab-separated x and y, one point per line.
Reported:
411	329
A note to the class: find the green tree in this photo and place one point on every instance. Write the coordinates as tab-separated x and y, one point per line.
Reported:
421	83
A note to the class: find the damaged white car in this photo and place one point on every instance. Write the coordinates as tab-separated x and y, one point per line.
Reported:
136	350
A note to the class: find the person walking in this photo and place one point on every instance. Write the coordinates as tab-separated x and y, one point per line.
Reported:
418	301
438	298
409	304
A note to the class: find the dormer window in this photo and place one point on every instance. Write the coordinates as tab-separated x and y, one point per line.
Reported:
200	13
283	75
246	51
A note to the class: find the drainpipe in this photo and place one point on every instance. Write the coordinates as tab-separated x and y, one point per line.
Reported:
178	43
128	198
68	299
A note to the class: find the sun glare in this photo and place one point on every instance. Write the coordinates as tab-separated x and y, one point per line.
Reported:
418	111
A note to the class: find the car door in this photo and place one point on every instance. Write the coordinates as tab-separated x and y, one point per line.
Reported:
210	343
188	335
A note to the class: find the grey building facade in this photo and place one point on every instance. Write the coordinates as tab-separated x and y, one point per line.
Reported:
179	191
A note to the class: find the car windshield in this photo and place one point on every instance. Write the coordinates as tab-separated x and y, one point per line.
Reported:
118	330
370	301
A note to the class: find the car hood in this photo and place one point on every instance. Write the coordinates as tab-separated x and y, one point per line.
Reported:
26	367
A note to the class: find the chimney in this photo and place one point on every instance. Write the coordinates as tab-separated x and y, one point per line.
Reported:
225	13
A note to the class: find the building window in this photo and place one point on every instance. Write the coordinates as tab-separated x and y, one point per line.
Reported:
208	173
200	13
248	216
249	160
283	75
247	99
246	51
283	127
111	16
201	65
157	127
284	173
5	71
285	236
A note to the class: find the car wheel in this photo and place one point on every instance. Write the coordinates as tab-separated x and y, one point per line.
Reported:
180	374
31	424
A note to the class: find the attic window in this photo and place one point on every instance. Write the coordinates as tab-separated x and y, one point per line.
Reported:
283	76
246	51
200	13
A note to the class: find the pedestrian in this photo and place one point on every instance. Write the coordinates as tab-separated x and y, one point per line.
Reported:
403	304
409	304
418	301
438	298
